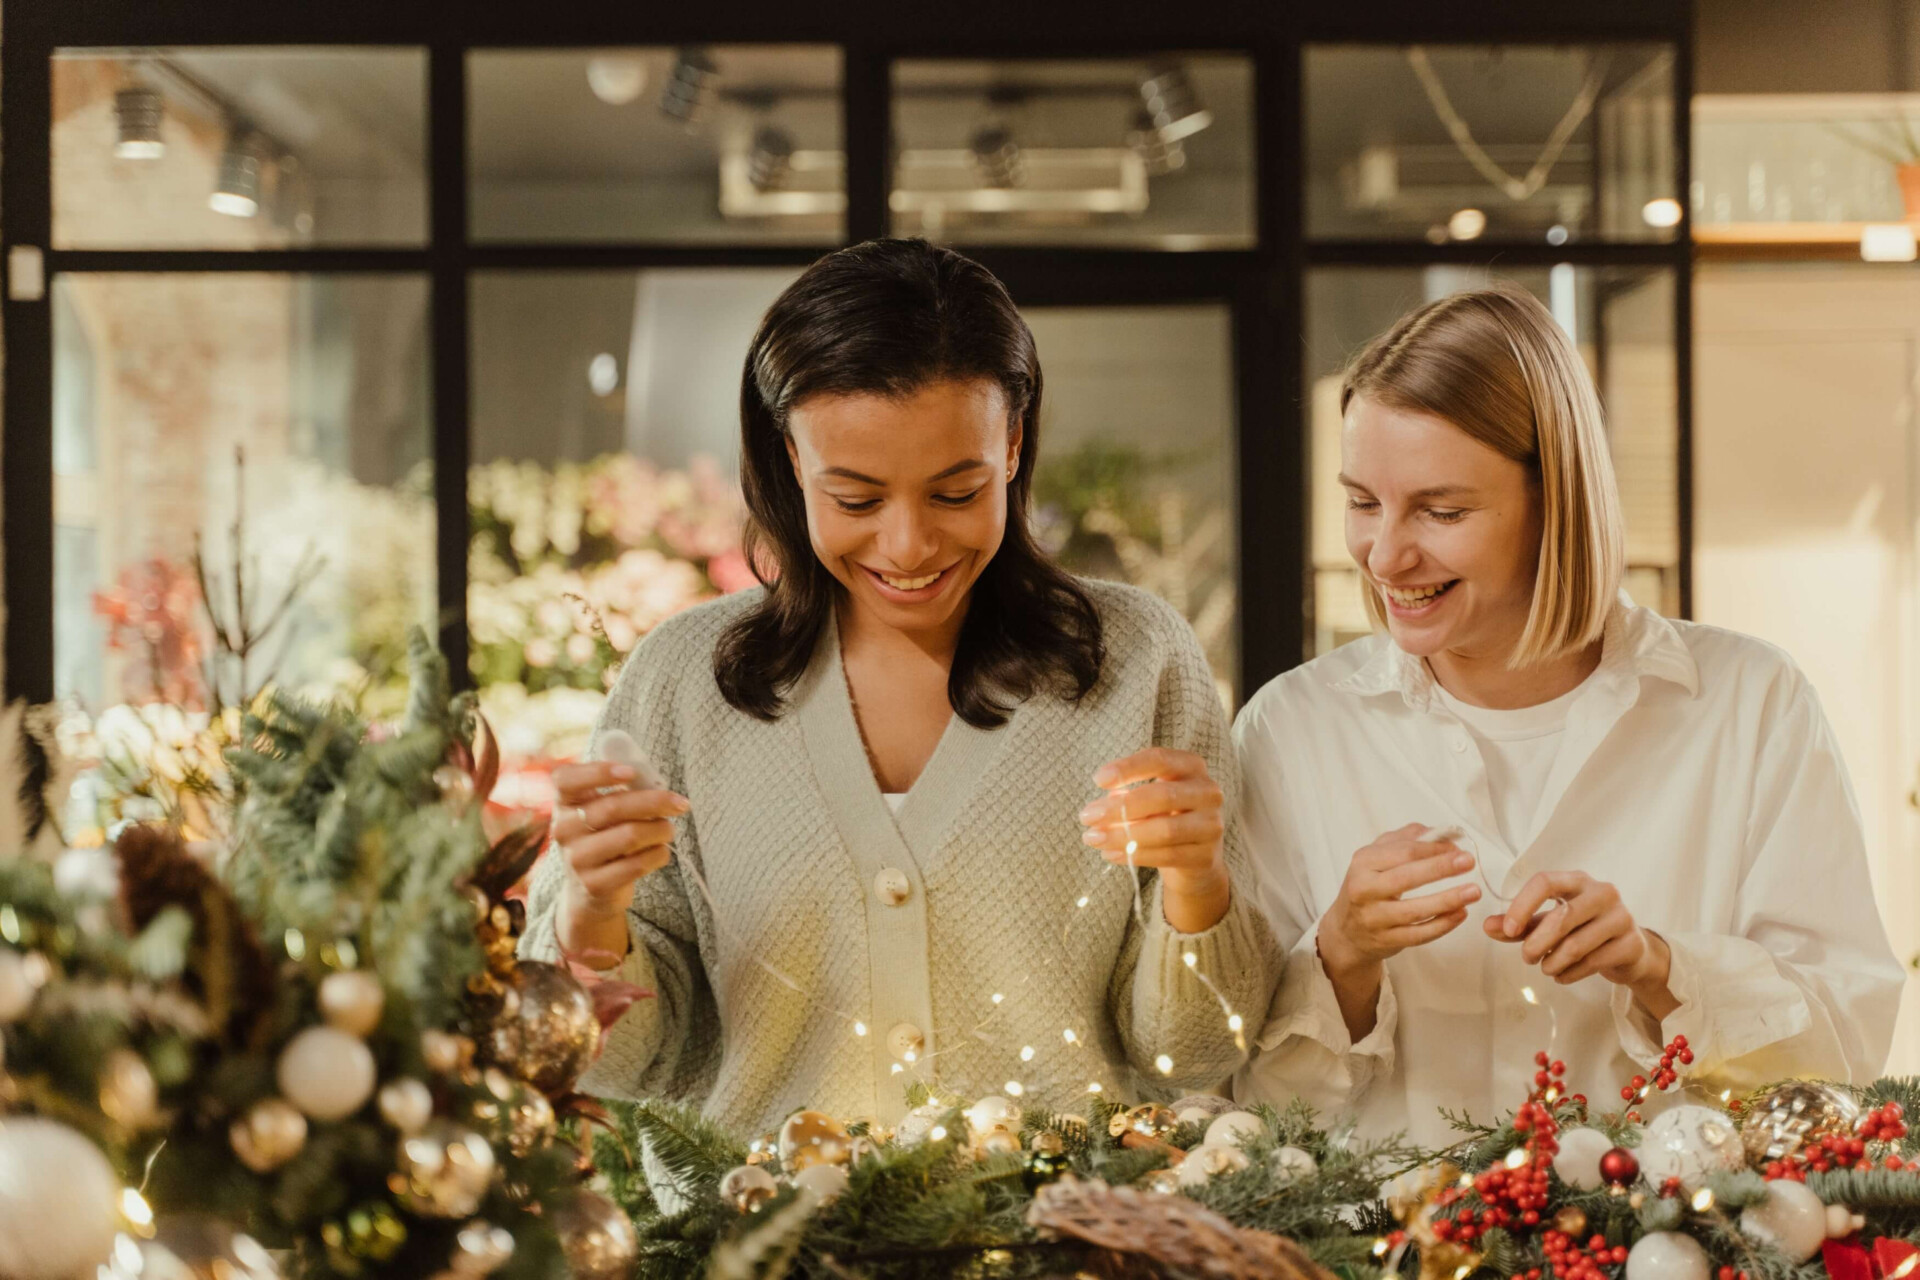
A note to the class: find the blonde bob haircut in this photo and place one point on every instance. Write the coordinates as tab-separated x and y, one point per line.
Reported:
1494	363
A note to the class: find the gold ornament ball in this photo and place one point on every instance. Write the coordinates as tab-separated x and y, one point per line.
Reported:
995	1142
443	1171
199	1247
809	1138
1793	1115
480	1248
764	1149
747	1187
352	1001
128	1094
406	1104
546	1031
530	1121
1571	1221
443	1051
1047	1142
1163	1181
596	1236
271	1132
1149	1120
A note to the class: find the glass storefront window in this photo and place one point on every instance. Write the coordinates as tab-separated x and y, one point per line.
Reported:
700	144
1621	318
239	148
1151	153
278	423
1527	143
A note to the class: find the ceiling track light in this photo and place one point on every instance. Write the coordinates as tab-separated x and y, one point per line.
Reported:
770	159
138	112
1171	102
996	154
1160	154
237	191
691	85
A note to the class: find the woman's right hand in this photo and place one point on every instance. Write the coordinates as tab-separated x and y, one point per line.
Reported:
611	836
1371	920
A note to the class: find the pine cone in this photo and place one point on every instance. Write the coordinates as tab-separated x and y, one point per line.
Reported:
228	969
1167	1229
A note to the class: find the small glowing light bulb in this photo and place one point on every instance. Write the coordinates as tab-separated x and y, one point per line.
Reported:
1235	1022
1189	959
1082	902
859	1028
911	1056
938	1133
1165	1064
1703	1200
897	1068
1093	1086
1069	1037
1527	994
1014	1088
1516	1157
135	1209
1026	1053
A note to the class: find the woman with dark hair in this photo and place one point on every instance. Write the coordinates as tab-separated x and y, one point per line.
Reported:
887	764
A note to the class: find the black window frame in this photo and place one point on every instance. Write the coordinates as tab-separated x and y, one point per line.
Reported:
1261	286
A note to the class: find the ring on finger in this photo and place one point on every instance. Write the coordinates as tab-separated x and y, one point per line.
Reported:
580	812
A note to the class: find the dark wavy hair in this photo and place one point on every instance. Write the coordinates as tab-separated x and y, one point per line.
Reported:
888	318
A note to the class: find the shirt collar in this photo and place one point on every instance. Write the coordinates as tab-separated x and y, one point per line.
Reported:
1636	643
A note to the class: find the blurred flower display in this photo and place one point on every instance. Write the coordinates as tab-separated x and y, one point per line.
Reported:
569	567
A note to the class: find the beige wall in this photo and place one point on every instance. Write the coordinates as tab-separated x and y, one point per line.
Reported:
1807	524
1807	46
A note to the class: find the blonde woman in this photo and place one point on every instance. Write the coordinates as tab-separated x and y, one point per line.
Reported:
1523	785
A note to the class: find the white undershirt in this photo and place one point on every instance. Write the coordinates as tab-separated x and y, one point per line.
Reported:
1518	747
895	799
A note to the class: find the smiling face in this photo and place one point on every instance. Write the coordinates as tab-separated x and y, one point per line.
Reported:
906	498
1447	529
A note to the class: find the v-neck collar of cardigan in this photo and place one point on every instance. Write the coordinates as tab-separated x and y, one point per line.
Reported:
824	706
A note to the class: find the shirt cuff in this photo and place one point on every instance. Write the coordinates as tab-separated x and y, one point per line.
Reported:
1305	1005
1732	997
1232	964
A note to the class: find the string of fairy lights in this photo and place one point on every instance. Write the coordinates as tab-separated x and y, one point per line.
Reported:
619	747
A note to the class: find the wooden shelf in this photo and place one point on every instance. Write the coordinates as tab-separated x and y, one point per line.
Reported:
1776	240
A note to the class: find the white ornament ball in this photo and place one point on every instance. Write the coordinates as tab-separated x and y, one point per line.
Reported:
917	1125
747	1187
1842	1222
326	1073
994	1112
1207	1162
59	1202
1690	1143
352	1001
1291	1164
821	1183
17	985
406	1104
1667	1255
1232	1128
1791	1219
1578	1163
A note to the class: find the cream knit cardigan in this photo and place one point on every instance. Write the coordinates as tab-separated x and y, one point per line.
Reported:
808	984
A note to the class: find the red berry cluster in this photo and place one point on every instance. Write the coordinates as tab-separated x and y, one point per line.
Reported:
1728	1273
1664	1075
1568	1260
1513	1197
1845	1151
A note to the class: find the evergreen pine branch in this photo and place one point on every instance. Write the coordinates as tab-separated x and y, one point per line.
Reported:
693	1151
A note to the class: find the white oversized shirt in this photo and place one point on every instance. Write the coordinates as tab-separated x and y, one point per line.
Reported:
1696	773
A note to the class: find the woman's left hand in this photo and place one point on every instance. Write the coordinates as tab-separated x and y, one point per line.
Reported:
1589	932
1171	810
